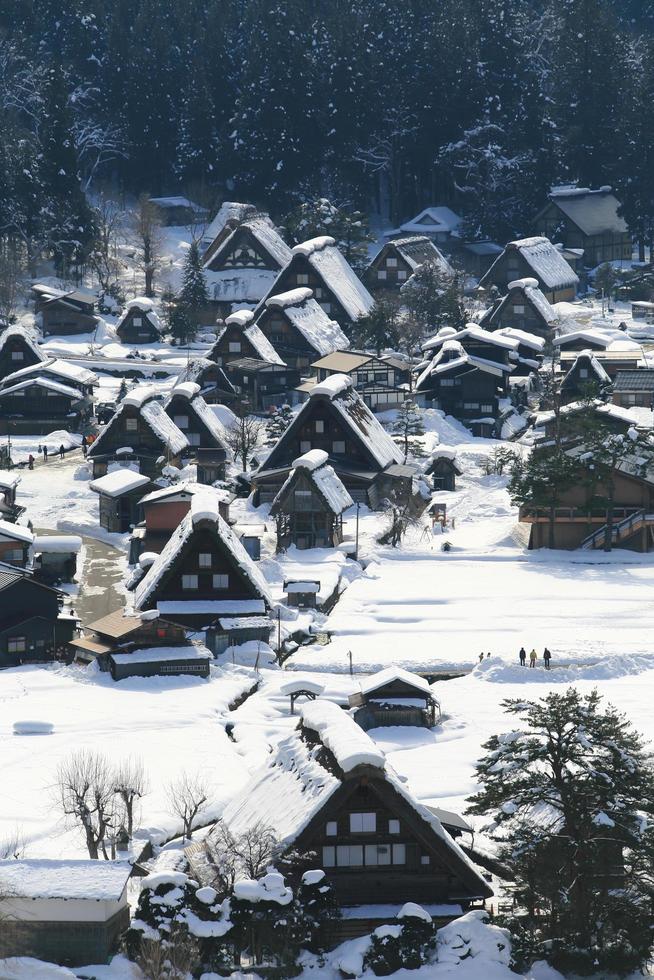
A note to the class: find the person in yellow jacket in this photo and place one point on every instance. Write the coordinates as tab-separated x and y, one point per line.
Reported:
533	656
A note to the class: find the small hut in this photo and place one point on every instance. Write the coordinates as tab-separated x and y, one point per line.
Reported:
395	697
309	507
139	324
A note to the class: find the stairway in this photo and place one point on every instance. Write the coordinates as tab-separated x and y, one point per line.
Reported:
621	530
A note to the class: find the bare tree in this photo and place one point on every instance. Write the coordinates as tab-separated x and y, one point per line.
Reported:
12	268
173	958
96	143
247	855
186	797
244	436
399	518
130	785
12	847
147	229
85	792
104	259
385	155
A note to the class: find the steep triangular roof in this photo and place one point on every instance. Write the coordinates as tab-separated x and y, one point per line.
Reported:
195	403
64	372
145	307
327	484
19	333
307	316
544	260
530	292
355	416
593	212
586	359
416	250
244	320
266	238
152	413
203	514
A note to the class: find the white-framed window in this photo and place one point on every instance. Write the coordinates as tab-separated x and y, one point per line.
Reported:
425	859
381	274
401	275
363	823
305	446
17	355
302	279
320	426
221	581
393	826
331	828
378	854
487	408
447	382
583	372
349	855
16	644
518	308
235	347
181	421
137	321
338	447
194	438
189	582
204	559
391	263
131	425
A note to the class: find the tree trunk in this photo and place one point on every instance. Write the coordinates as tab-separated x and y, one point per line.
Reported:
550	527
608	535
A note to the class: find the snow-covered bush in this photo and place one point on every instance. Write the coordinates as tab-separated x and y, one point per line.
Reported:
408	945
472	936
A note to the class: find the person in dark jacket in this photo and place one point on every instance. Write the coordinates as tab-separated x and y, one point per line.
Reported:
30	462
523	657
45	454
547	656
61	451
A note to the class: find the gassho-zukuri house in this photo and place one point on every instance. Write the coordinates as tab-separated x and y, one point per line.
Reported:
329	790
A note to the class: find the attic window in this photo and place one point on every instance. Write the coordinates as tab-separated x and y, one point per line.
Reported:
181	421
221	581
393	826
189	582
302	279
204	559
363	823
401	274
17	355
583	372
320	426
331	828
137	321
338	448
381	274
131	425
391	263
424	859
518	308
234	347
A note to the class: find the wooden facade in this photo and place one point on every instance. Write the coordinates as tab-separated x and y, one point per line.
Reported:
634	388
31	627
305	517
129	428
535	258
62	313
586	220
382	382
522	309
586	376
17	351
160	512
119	632
38	406
138	324
443	471
399	259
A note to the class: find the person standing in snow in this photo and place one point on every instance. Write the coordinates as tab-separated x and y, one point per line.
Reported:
522	656
85	447
533	657
487	656
30	462
547	656
61	451
481	656
45	454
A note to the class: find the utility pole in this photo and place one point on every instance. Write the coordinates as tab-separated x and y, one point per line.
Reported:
356	540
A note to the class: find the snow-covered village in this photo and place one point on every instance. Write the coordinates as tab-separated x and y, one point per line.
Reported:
326	490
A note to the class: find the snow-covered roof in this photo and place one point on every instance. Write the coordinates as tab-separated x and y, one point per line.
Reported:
524	338
307	316
56	544
436	220
39	382
358	417
204	508
330	264
390	674
252	333
233	211
145	306
64	878
532	293
451	357
118	482
326	481
20	333
585	357
240	286
163	493
15	532
191	392
606	409
154	655
586	336
416	250
265	235
593	212
53	366
545	260
152	412
474	332
348	743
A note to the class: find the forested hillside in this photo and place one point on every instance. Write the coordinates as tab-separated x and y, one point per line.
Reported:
481	103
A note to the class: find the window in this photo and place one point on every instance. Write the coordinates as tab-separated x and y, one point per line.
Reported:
518	308
378	854
471	406
302	499
181	421
318	291
221	581
363	823
393	826
305	446
302	279
424	859
486	408
357	855
583	372
320	426
137	321
327	307
13	554
131	425
189	581
161	633
18	394
331	828
349	855
329	857
193	438
338	447
16	644
391	263
52	394
447	382
399	853
381	274
234	347
204	559
401	275
17	355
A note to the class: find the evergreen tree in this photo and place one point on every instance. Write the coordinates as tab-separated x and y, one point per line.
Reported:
192	299
409	429
540	482
434	298
570	793
381	328
410	947
278	423
348	228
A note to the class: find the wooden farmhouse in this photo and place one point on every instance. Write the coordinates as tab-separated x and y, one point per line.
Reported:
162	510
229	216
32	625
215	386
584	219
328	790
15	544
177	210
442	469
533	258
62	313
299	330
440	224
634	388
241	269
54	369
123	632
251	363
399	259
523	308
17	350
139	324
119	493
618	356
10	509
318	265
309	507
585	376
613	418
203	574
201	426
394	697
578	340
381	381
336	420
37	405
528	355
62	910
581	519
139	431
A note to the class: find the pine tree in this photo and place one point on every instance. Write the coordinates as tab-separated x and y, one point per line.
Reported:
540	482
192	299
409	429
278	423
434	298
348	228
381	328
570	793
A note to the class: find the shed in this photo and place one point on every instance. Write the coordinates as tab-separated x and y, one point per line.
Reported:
178	210
119	492
55	557
302	594
161	661
443	470
139	324
395	696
